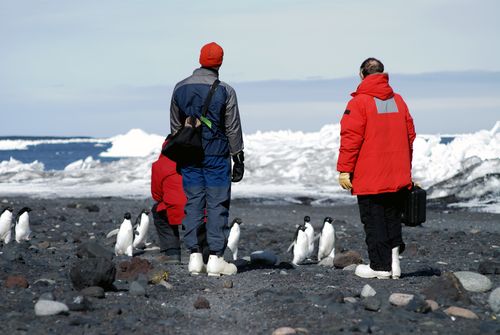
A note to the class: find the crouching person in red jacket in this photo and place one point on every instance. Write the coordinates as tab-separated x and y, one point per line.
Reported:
376	145
168	211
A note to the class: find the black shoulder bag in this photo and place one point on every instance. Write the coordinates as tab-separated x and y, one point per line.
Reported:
185	146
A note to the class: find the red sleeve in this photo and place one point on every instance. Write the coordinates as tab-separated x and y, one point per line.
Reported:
352	132
410	130
156	181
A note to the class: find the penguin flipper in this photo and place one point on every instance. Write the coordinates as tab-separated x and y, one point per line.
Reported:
290	247
113	233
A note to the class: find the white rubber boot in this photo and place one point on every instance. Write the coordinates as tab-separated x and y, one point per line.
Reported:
396	268
196	265
365	271
217	266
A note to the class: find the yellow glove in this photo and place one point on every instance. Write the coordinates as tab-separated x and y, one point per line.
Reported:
345	180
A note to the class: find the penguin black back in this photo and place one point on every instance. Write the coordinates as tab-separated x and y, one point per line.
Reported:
8	208
236	220
22	211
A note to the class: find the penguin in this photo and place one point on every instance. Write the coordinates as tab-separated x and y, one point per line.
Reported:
300	245
327	240
6	225
141	229
124	238
310	236
234	237
23	230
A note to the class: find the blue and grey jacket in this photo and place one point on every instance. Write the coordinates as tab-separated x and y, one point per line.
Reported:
225	136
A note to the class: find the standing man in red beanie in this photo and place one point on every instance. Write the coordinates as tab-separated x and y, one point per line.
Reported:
208	185
376	146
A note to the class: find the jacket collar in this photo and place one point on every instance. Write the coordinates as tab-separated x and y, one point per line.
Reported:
375	85
206	71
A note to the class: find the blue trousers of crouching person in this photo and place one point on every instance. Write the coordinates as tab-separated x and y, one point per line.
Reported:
207	186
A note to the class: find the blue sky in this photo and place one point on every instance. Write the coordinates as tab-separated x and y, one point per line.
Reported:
100	68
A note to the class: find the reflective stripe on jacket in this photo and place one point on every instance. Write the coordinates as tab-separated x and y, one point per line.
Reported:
377	134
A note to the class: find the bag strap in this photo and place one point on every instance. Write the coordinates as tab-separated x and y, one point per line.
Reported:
209	98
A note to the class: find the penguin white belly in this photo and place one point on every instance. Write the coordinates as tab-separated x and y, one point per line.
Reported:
5	227
124	240
141	232
300	248
326	242
310	239
23	228
233	240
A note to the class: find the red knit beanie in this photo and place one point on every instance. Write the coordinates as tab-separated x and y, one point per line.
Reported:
211	55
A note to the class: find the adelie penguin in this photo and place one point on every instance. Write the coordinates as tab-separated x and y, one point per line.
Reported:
125	237
310	236
327	240
300	245
234	237
22	229
141	229
6	225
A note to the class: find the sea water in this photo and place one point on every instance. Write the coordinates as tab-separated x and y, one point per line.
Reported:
281	165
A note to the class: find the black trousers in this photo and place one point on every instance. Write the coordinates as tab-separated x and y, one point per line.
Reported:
169	237
381	217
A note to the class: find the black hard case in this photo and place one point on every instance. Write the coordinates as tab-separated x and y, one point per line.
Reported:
414	207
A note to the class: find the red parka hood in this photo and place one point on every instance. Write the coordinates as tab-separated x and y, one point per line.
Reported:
375	85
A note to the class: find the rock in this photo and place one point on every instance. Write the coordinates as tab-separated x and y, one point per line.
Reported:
44	282
93	291
93	250
130	270
351	300
368	291
461	312
411	249
446	290
347	258
400	299
228	284
92	208
47	307
284	331
16	281
418	305
327	261
326	299
79	304
168	286
44	245
473	282
371	304
93	272
351	267
47	296
264	257
494	300
432	304
201	303
489	268
136	289
156	276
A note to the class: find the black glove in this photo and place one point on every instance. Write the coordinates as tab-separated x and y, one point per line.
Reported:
238	167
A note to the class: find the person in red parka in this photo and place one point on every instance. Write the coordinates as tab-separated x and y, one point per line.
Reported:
168	210
376	147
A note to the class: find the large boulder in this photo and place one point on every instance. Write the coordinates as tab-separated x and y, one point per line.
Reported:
93	272
446	290
347	258
130	270
473	282
93	250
